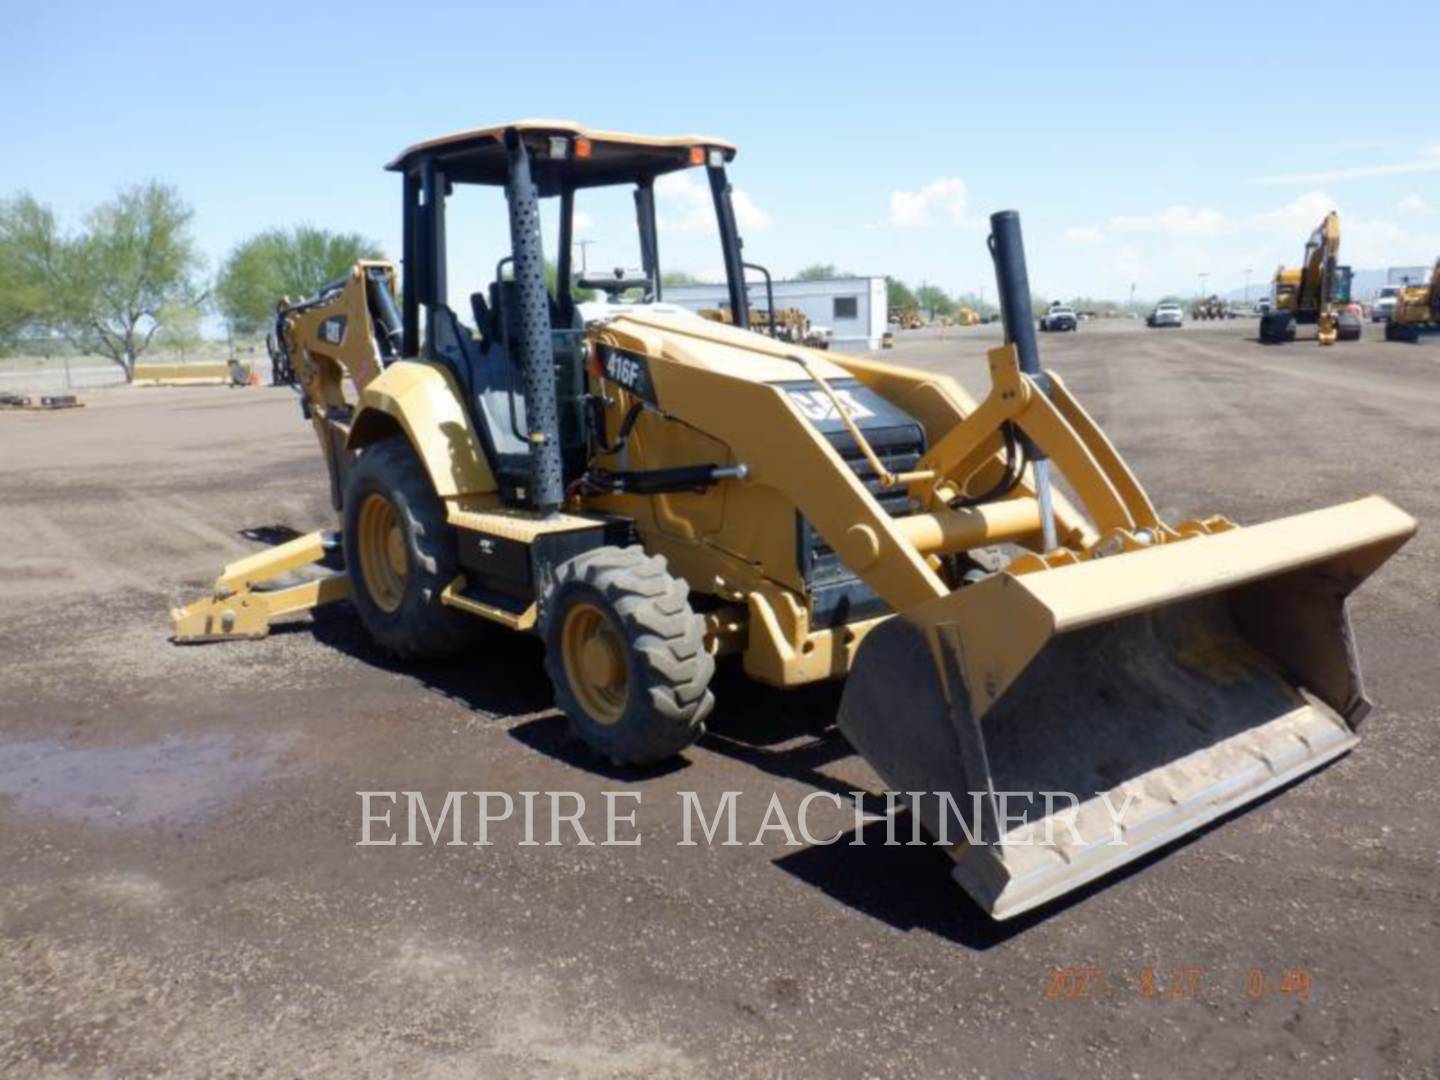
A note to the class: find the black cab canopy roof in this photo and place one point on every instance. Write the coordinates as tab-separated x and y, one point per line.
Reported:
563	154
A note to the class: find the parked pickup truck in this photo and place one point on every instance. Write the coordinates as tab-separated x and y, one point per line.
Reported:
1059	317
1166	313
1384	305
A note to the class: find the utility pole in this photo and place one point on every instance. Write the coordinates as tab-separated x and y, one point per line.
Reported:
582	245
1203	279
1132	295
1247	286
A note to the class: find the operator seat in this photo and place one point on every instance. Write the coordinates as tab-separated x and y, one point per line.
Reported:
495	384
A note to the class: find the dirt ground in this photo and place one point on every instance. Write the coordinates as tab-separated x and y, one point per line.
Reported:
181	890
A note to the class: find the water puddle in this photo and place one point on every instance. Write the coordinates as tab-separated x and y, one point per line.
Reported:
165	782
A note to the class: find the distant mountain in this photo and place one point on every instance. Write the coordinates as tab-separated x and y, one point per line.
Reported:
1364	285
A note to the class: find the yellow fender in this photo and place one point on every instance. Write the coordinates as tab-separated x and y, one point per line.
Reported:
423	401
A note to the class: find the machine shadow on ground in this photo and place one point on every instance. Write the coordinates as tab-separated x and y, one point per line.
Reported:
909	887
788	734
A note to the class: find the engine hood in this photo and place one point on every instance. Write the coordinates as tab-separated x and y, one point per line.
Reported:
713	346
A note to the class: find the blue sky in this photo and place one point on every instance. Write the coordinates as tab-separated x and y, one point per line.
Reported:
1142	144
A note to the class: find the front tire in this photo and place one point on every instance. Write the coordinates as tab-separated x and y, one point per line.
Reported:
400	554
626	654
1277	328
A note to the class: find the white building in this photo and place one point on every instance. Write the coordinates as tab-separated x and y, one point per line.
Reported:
853	308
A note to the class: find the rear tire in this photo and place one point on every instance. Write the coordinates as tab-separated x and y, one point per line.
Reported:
400	554
626	654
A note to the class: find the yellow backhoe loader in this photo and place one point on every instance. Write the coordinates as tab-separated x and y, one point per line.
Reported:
647	490
1316	292
1417	311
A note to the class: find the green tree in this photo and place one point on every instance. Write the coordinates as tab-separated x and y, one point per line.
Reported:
111	287
934	300
898	295
819	272
20	301
27	240
180	332
678	277
15	313
973	301
1090	303
552	278
278	263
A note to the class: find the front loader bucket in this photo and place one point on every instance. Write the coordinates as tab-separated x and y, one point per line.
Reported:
1083	716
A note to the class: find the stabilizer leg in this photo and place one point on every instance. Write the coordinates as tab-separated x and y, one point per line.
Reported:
236	609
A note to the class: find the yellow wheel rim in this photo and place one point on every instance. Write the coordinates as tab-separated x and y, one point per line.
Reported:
595	666
384	561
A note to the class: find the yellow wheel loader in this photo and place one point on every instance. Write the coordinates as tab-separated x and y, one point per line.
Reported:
1316	293
1417	311
647	490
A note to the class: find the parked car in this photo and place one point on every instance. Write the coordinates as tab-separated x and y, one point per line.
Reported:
1166	313
1384	305
1059	317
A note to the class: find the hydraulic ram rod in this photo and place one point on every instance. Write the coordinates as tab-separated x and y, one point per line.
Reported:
1008	249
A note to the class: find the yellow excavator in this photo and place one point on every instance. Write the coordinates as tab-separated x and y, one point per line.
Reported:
1314	293
1069	680
1417	310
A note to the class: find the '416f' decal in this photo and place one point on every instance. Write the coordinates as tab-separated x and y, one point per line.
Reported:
630	371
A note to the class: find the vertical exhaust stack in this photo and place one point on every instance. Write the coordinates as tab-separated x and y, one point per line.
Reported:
532	334
1012	279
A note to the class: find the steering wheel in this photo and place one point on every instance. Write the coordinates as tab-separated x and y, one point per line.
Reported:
616	285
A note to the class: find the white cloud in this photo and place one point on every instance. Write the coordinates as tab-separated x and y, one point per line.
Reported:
913	209
1085	234
749	216
1173	221
1364	242
1428	161
1414	204
1301	213
583	221
686	206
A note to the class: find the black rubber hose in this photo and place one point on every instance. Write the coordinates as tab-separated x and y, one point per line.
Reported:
1014	470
